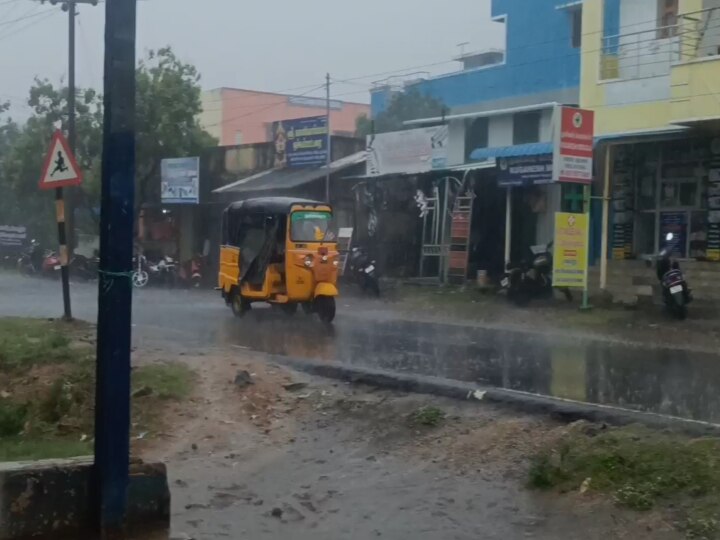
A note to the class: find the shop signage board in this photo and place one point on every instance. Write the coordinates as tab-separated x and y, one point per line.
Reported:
573	145
12	236
180	179
414	151
570	252
301	142
525	170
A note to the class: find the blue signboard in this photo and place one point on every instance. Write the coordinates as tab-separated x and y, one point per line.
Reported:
525	170
180	179
301	142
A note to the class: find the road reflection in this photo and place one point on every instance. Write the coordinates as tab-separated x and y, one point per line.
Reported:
671	382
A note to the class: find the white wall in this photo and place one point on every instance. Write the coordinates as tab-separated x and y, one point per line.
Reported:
500	131
456	145
211	117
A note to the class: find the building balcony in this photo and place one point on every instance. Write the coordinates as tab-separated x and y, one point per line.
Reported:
695	78
677	64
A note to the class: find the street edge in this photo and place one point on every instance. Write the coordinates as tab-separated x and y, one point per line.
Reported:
558	408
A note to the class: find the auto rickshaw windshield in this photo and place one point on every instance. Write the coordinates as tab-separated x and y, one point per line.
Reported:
311	226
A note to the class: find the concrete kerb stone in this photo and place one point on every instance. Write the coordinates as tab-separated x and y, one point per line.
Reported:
561	409
53	499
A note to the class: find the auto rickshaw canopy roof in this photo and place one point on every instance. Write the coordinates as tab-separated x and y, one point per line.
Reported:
269	205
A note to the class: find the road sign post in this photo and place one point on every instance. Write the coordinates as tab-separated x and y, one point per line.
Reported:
112	392
60	170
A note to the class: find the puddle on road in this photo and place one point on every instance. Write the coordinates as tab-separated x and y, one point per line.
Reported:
670	382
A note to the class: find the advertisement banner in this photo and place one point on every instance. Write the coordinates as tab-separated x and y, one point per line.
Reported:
573	145
414	151
301	142
570	252
12	236
180	179
525	170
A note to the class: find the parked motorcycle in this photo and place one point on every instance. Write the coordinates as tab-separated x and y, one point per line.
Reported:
36	261
364	271
675	290
85	268
527	281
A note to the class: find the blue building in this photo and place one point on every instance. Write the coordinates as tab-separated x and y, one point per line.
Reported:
539	63
501	106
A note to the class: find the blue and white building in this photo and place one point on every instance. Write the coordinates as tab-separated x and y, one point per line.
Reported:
500	106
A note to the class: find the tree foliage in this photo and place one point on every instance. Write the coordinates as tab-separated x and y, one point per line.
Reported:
168	102
404	106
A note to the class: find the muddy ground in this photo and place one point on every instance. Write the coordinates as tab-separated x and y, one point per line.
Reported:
291	456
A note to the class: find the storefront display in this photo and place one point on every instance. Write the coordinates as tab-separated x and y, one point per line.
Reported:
671	186
623	202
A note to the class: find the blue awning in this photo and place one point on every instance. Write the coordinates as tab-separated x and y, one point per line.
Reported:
516	150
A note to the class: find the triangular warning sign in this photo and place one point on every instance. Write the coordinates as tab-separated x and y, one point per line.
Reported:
60	168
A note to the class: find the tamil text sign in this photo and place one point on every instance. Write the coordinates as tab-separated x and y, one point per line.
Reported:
301	142
525	170
12	236
570	250
573	145
180	179
413	151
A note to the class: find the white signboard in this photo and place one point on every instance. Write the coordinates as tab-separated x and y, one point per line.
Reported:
180	180
11	236
407	152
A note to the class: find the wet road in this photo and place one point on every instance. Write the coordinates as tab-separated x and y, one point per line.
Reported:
672	382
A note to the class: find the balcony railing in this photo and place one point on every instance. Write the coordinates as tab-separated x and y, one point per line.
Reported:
652	51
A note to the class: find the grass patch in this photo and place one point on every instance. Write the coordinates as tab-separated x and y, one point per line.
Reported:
427	416
165	381
22	449
641	469
25	343
47	385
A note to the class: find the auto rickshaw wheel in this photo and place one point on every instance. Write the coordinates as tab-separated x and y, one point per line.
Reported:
240	306
325	308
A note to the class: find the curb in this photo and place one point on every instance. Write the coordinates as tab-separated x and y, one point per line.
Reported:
558	408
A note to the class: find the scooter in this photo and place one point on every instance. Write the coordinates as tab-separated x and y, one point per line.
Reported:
35	261
190	273
364	271
675	290
524	282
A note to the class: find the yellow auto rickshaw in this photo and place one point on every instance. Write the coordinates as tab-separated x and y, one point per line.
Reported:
279	250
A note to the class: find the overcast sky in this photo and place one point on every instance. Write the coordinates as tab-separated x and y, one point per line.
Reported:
254	44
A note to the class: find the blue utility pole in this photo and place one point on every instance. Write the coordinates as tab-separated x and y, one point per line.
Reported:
112	399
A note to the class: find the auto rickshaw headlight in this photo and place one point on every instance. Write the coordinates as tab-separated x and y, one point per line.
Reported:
308	260
336	263
324	258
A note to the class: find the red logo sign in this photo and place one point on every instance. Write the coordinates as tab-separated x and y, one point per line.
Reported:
574	145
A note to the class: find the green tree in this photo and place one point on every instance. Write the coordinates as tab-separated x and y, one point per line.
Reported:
409	105
363	126
168	105
168	102
25	155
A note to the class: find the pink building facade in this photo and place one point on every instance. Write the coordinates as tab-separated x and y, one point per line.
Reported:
235	116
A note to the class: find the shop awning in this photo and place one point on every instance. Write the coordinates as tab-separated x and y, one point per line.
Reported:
516	150
280	179
467	167
641	135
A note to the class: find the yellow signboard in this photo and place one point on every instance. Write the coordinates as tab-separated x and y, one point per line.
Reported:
570	252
